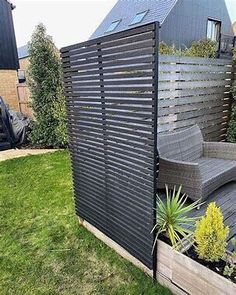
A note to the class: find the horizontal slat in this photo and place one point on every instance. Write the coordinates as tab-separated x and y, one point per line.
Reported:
191	100
119	119
113	77
193	60
195	91
126	48
121	69
115	171
99	147
122	133
111	124
76	54
194	84
193	68
130	170
123	114
103	82
88	100
112	37
142	146
108	95
100	107
190	107
110	89
123	186
194	76
188	92
127	148
174	125
78	60
113	64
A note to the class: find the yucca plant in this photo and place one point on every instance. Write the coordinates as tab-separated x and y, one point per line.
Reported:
172	216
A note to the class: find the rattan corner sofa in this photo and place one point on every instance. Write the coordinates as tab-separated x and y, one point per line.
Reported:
200	167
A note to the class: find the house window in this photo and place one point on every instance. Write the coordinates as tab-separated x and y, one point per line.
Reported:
21	76
139	17
213	30
113	26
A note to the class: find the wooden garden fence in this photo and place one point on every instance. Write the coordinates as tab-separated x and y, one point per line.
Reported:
118	101
111	90
195	91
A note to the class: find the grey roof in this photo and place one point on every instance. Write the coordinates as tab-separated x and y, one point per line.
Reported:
23	51
12	5
127	9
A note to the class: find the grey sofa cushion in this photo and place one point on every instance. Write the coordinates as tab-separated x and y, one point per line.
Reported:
184	145
215	173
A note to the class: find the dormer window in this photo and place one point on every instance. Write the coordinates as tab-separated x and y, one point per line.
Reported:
113	26
139	17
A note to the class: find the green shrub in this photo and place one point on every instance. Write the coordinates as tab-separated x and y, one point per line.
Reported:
231	132
171	218
202	48
169	50
211	235
48	101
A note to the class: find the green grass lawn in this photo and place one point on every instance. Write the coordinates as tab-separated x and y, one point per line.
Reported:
43	249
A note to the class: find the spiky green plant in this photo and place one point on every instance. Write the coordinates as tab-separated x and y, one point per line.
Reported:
172	216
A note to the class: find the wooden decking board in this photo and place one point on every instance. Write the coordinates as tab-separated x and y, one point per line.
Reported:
225	198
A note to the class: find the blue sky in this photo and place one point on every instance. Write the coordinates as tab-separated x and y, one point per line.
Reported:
232	9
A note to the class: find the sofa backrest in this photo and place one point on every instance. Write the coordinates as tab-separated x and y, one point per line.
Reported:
185	145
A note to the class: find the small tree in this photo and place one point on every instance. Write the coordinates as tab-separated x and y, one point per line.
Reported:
45	82
231	132
211	234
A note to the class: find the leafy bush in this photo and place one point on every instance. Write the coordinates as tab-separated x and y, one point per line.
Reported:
211	235
48	101
172	219
202	48
231	132
169	50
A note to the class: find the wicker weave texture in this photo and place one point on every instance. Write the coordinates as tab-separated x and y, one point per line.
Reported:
200	167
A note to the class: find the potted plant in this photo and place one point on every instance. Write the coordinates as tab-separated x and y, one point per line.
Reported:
203	268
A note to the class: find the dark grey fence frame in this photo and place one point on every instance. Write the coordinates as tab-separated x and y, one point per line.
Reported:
111	85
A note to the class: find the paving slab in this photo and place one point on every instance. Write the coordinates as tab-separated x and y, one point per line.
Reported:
17	153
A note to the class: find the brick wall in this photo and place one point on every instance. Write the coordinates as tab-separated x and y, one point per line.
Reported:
8	89
23	90
24	63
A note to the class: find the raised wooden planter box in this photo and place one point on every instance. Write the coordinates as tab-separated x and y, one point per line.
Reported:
190	276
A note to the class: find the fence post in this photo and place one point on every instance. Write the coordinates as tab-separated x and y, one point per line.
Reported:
155	168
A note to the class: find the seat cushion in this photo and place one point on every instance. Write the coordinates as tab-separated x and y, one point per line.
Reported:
215	173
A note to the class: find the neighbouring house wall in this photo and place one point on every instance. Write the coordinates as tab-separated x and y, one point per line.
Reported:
24	63
8	90
23	90
187	22
8	48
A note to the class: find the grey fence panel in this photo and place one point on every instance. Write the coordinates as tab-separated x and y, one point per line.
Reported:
195	91
110	85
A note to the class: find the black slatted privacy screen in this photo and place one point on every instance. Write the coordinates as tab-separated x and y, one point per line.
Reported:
110	85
